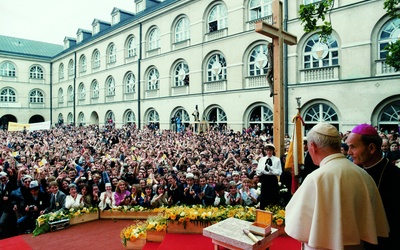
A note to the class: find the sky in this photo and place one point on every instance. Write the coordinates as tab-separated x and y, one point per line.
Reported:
52	20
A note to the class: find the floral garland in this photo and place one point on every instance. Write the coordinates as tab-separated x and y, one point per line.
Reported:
42	222
278	214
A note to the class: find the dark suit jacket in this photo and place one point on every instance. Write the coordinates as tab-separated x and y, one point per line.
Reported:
58	203
188	199
209	196
309	167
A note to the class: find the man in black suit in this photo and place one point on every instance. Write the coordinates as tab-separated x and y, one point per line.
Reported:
57	200
190	191
207	193
309	165
8	219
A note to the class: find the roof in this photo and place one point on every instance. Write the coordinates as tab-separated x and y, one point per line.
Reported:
24	47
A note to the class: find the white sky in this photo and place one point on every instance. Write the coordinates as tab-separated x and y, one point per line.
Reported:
52	20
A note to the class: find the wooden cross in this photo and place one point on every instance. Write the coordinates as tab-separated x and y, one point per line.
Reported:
279	37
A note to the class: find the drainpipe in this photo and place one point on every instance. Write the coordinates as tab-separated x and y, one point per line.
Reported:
74	106
139	74
285	62
51	94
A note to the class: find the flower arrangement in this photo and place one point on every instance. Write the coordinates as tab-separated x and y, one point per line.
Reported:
134	232
130	209
156	223
42	222
278	214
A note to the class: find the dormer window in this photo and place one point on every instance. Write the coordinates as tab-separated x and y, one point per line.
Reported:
96	28
115	18
139	6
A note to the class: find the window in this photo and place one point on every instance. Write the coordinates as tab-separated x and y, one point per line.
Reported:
82	64
389	116
130	117
95	89
181	74
70	93
82	91
36	96
258	60
61	71
154	39
7	69
153	116
7	95
81	119
36	72
110	86
321	54
311	1
320	112
96	59
216	68
262	117
130	83
71	68
131	47
60	95
389	33
112	54
217	118
182	30
152	79
259	9
217	19
110	117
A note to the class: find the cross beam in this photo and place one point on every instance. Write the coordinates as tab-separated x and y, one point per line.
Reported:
279	37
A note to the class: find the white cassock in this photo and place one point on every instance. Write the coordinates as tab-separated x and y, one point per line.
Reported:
336	207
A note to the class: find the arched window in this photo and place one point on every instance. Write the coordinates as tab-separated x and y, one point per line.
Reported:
181	74
81	119
154	39
153	116
130	117
96	59
61	71
183	116
7	95
320	112
36	96
70	119
95	89
262	117
60	95
131	48
217	118
182	30
36	72
7	69
82	91
258	60
216	68
320	54
82	64
217	18
110	118
110	86
112	53
71	68
152	79
130	83
389	33
70	93
390	116
259	9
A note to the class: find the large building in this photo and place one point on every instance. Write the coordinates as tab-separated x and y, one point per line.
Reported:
163	58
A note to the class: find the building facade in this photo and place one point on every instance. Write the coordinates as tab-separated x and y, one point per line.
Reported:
160	61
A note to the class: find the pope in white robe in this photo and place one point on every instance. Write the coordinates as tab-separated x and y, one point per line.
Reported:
338	206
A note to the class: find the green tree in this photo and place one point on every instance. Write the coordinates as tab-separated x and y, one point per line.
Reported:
311	14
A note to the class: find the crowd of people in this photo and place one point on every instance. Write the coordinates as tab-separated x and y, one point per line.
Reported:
72	167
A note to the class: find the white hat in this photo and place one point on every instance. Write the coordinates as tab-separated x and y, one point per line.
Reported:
254	162
326	129
108	184
34	184
27	176
3	174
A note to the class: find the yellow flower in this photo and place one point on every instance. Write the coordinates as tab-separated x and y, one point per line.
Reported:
159	227
279	222
181	220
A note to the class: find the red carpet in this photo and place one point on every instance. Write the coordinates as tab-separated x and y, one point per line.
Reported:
104	234
14	243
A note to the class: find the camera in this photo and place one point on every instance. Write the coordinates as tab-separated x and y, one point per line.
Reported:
31	207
